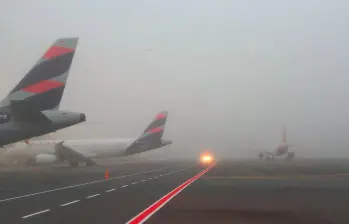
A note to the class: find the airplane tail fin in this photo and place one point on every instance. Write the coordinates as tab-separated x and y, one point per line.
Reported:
157	125
43	86
284	135
151	138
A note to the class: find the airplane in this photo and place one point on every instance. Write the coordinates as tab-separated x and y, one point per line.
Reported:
280	150
37	152
31	108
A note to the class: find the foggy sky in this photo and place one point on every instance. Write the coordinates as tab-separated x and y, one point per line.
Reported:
230	73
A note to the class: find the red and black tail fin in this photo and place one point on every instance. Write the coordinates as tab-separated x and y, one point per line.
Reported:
151	138
157	125
43	86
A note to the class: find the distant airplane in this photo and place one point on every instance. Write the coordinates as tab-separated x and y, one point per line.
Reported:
31	108
75	151
280	150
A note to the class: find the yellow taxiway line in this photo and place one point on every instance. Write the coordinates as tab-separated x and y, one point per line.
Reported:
279	177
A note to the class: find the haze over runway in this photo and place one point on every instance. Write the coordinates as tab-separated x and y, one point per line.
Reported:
231	73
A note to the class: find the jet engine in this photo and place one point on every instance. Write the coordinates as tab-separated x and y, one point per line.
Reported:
45	158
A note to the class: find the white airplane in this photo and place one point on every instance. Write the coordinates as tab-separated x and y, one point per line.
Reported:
280	150
36	152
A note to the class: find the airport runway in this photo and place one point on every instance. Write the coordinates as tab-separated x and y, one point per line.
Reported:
306	191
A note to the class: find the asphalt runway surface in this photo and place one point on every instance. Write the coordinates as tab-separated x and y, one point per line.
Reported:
300	191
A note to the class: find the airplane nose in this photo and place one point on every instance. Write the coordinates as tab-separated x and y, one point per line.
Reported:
82	117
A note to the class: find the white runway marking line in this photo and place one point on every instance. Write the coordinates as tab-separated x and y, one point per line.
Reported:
124	186
69	203
110	190
92	196
78	185
36	213
161	175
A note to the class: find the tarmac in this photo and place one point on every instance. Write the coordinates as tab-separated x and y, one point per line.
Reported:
232	191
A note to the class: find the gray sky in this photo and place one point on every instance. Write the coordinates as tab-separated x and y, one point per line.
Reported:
230	73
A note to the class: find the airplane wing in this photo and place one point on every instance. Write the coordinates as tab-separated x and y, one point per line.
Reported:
261	150
73	154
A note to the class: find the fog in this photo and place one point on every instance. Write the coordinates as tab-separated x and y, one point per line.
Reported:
230	73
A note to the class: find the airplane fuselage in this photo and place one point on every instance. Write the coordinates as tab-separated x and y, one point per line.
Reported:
99	148
89	148
85	150
53	151
281	149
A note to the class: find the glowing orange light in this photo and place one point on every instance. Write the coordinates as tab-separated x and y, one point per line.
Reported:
206	158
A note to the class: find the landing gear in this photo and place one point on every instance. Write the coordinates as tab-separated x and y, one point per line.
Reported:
73	164
270	156
266	155
261	156
290	156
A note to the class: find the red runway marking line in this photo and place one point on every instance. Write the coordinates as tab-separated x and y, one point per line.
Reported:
148	212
